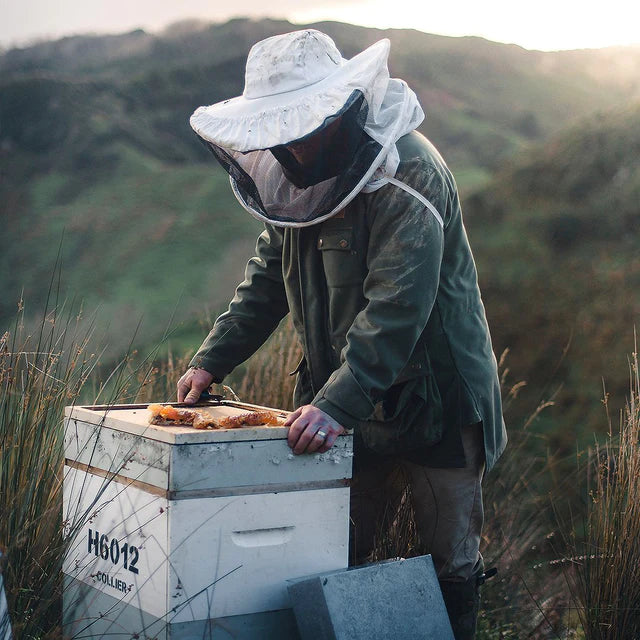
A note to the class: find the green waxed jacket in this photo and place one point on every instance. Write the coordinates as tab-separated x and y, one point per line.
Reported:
386	305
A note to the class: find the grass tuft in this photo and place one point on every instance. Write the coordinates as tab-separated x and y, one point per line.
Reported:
602	559
39	375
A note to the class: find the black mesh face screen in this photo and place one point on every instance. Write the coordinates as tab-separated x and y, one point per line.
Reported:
307	178
331	147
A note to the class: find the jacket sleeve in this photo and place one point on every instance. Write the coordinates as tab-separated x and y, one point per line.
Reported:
258	306
403	259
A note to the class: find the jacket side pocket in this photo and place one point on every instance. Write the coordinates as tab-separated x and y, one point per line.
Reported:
409	417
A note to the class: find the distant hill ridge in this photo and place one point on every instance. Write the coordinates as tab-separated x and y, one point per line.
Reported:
483	99
182	41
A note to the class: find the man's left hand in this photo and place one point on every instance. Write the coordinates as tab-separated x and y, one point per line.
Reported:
312	430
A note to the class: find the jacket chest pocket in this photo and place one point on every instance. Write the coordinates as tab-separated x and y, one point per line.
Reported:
341	262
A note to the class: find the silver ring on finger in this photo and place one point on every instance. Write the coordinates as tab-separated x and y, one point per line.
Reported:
321	433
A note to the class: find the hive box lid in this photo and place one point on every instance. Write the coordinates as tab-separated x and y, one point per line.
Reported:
134	419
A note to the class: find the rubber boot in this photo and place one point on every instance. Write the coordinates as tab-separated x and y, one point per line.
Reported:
462	600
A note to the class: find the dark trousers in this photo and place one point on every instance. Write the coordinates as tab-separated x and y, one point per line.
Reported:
447	506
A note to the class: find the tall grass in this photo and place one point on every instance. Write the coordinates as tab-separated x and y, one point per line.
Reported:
39	375
521	602
267	379
603	544
594	584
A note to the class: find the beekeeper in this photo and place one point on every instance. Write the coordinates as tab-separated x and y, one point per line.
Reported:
365	246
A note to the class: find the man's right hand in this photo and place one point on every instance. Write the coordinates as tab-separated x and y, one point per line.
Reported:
192	384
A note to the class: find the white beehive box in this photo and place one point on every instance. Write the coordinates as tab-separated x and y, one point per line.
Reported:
176	526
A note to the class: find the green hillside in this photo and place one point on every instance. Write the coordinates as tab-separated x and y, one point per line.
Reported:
557	238
96	153
138	239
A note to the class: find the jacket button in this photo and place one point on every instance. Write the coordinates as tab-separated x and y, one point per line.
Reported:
344	244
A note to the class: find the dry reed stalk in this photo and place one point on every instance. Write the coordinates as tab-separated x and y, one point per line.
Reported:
526	599
264	379
267	378
158	382
398	536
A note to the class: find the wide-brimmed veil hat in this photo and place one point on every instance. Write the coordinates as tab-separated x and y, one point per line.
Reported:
296	85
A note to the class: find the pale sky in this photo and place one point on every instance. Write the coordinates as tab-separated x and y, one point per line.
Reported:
539	24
